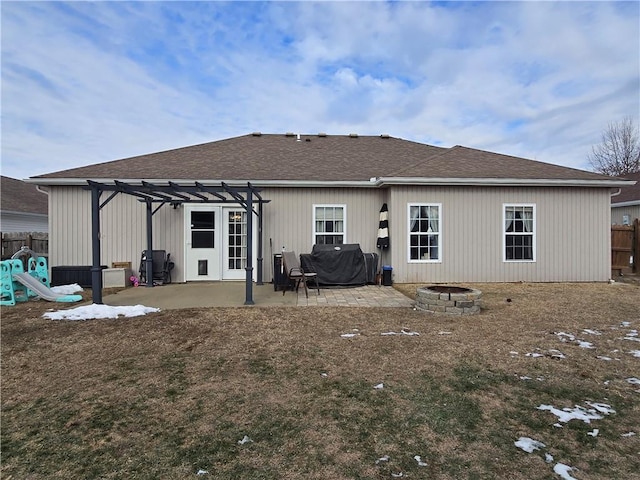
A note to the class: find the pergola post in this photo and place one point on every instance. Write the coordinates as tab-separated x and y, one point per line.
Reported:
260	259
249	267
149	255
96	270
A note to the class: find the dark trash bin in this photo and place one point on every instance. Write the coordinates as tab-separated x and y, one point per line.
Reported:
387	270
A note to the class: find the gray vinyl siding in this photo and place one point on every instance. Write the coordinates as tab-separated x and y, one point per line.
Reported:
617	212
572	234
288	218
122	230
23	222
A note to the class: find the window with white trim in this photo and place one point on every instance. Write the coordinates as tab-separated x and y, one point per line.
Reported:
519	229
425	229
329	224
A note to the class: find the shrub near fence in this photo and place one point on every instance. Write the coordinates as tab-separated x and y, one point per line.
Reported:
14	241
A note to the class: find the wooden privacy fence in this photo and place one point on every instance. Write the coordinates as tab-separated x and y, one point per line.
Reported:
14	241
625	248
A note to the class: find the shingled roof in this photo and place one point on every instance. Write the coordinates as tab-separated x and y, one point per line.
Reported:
320	158
20	197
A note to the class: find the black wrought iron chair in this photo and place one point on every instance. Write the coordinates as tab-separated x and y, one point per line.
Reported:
162	266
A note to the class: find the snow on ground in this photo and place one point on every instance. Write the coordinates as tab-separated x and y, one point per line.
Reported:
67	289
529	444
564	471
95	311
579	413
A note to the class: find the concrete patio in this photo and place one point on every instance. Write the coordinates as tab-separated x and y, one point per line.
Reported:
232	294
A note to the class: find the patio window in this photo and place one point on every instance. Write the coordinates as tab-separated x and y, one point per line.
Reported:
519	230
329	224
424	232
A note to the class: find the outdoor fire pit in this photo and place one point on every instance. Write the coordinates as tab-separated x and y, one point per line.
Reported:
449	300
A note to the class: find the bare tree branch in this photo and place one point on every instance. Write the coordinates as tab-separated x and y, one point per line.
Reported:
619	152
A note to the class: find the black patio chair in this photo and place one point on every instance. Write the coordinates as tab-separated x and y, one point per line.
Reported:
162	266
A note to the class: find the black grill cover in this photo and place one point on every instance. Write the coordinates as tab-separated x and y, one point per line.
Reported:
338	264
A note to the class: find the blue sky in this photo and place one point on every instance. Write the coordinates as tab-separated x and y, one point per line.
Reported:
87	82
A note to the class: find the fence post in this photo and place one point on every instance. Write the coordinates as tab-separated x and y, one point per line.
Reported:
636	245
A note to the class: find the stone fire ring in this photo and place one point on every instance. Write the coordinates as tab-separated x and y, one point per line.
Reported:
449	300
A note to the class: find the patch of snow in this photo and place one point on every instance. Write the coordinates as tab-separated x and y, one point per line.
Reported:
406	331
602	357
324	374
564	471
444	333
534	355
524	377
349	335
548	457
202	472
418	459
562	335
628	434
513	353
584	344
633	381
95	311
594	432
635	353
625	324
529	445
384	458
379	386
577	413
245	440
557	425
556	354
601	407
591	332
67	289
397	475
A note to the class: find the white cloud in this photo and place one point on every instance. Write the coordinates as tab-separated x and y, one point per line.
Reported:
90	82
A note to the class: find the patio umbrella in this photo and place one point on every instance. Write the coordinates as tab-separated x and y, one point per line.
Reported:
383	228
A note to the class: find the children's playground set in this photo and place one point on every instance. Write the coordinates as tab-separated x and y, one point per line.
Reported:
26	275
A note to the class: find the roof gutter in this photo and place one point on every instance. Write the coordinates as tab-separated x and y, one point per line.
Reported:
233	183
374	182
515	182
630	203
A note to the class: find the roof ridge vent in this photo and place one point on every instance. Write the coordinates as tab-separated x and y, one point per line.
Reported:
385	135
353	135
256	134
289	134
322	134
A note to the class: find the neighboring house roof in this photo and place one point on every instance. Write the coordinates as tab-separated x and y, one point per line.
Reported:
20	197
281	158
628	195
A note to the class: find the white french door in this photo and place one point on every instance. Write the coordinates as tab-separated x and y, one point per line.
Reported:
216	242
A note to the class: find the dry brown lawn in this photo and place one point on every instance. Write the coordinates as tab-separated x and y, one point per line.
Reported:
172	393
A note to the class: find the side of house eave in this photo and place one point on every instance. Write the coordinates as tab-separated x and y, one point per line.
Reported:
375	182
